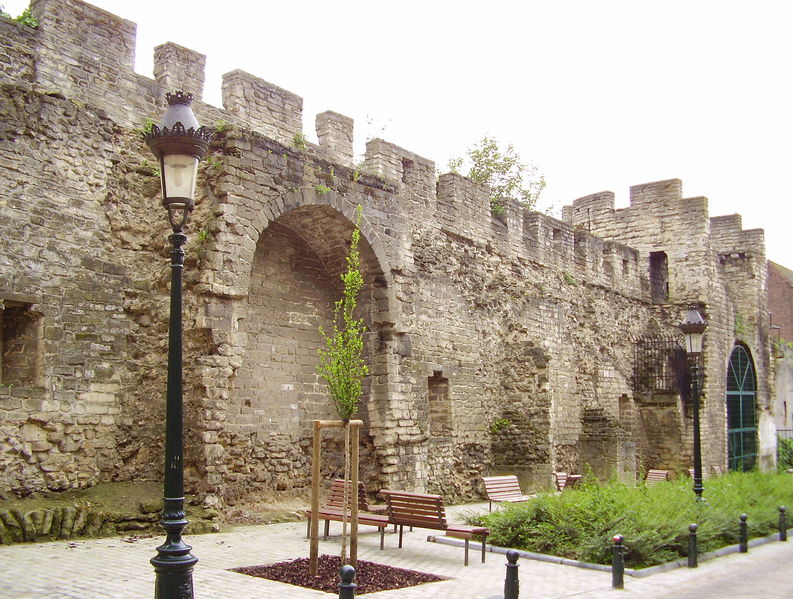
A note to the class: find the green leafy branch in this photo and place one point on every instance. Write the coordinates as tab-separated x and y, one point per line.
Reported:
341	362
25	18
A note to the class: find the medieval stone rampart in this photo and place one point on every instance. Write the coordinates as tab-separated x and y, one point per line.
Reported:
496	343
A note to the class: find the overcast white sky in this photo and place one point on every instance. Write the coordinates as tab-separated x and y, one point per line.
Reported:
600	94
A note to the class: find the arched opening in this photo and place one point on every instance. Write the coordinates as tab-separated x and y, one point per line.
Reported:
276	392
741	415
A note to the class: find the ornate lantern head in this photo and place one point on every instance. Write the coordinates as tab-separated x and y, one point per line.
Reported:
693	328
178	143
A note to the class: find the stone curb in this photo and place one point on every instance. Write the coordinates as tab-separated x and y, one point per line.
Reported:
553	559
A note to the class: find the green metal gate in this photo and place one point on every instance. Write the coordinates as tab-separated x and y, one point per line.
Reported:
741	420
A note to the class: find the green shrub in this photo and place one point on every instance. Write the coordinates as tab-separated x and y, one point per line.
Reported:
580	523
784	451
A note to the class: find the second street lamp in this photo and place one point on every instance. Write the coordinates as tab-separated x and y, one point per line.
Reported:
178	143
693	328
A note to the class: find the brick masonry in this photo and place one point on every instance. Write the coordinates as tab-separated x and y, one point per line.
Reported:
473	319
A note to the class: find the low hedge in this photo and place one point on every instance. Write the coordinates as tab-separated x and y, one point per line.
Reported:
580	523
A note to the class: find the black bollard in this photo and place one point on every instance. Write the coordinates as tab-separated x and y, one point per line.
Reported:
782	523
347	586
618	564
692	546
511	583
743	535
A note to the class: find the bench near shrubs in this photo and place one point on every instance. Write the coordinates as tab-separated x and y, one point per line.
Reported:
656	476
503	488
427	511
564	480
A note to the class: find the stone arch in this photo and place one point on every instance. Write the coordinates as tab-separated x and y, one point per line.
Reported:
344	205
240	223
274	392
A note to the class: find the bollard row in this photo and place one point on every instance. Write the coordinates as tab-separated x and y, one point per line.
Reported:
618	560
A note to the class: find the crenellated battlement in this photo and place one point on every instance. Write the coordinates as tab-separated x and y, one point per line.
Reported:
463	208
98	70
729	237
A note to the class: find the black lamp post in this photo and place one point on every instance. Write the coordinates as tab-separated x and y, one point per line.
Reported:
693	328
178	143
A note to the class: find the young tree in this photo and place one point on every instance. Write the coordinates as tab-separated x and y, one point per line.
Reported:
341	362
503	171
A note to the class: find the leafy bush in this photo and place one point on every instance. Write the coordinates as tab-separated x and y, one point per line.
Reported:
580	523
784	451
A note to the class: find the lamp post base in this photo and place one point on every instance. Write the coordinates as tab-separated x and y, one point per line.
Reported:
173	563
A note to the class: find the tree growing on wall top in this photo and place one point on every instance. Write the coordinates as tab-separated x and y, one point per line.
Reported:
501	168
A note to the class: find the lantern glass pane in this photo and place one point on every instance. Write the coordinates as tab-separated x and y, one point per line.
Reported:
694	343
179	175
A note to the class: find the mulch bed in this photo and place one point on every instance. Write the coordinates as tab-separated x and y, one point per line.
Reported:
369	576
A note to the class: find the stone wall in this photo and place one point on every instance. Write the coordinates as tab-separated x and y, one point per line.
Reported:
780	300
709	262
495	344
783	408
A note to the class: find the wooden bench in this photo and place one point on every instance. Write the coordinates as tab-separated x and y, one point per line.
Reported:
503	488
655	476
427	511
333	510
564	480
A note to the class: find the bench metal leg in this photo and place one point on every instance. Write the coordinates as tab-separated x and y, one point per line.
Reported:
466	553
400	536
308	528
327	529
382	537
483	549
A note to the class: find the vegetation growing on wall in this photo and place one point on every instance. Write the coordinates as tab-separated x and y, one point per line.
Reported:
24	19
501	168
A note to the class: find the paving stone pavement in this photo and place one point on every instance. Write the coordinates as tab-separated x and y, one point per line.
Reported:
119	568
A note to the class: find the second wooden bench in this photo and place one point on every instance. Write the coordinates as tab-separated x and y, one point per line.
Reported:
427	511
503	488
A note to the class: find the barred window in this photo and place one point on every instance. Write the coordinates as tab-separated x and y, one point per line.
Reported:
660	367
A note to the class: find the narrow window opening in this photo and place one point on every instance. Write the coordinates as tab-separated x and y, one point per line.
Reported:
625	267
407	166
659	277
440	409
20	345
557	234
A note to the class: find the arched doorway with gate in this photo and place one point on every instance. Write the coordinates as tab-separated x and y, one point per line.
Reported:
741	412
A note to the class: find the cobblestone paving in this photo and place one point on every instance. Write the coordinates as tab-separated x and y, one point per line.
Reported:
117	568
